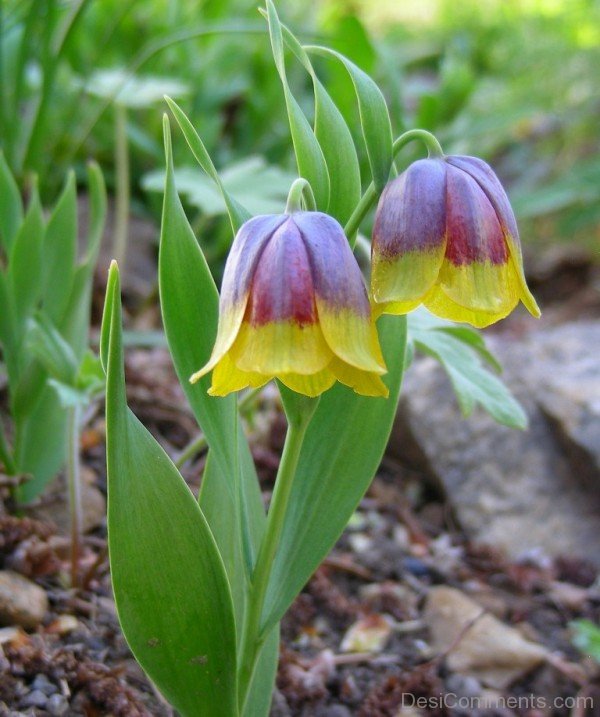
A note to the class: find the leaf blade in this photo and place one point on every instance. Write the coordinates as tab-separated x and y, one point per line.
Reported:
188	650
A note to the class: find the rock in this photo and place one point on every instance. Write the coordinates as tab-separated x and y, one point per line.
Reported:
369	634
57	705
42	684
518	490
22	602
477	644
34	699
54	506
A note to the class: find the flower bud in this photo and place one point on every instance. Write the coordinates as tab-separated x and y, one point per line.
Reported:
294	306
445	236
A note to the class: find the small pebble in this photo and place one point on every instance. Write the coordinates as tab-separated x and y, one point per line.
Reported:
337	711
34	699
43	684
57	705
22	602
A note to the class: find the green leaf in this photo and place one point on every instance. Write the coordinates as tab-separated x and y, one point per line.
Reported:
586	637
263	680
374	116
139	92
171	590
230	496
25	262
260	187
68	396
460	355
335	140
7	328
309	155
237	213
59	252
11	206
342	450
51	350
76	320
190	308
40	446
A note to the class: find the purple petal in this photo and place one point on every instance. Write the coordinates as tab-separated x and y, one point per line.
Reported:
282	286
244	255
485	177
411	211
473	230
335	272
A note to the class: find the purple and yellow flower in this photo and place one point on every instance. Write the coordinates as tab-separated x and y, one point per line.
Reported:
294	306
445	236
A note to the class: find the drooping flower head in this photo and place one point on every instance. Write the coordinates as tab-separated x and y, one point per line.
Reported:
445	236
294	306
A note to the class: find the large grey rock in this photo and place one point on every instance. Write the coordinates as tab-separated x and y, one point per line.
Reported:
517	490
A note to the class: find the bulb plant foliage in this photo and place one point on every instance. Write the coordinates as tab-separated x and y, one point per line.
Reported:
45	301
202	584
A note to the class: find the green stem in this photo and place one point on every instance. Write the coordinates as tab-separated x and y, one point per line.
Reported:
300	194
74	484
199	443
369	198
121	225
252	637
6	453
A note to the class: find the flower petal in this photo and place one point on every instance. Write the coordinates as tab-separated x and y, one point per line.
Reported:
313	385
351	337
484	175
227	378
365	383
341	297
237	277
516	259
281	347
409	233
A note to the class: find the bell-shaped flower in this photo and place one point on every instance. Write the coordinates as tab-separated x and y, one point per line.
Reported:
294	306
445	236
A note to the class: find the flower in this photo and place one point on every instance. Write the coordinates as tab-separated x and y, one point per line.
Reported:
445	236
294	306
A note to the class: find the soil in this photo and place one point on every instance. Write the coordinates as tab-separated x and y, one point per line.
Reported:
402	541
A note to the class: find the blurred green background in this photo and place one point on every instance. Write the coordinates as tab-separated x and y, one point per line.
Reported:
513	81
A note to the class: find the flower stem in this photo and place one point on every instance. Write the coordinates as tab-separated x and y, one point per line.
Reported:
121	226
434	149
253	637
74	485
300	193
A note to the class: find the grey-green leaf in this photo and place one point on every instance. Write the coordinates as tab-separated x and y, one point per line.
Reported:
171	590
461	356
11	206
309	155
335	140
237	213
374	116
59	252
25	262
342	450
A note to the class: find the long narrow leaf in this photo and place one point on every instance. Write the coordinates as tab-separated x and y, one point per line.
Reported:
309	155
335	140
171	590
237	213
11	206
374	116
25	262
59	252
342	450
